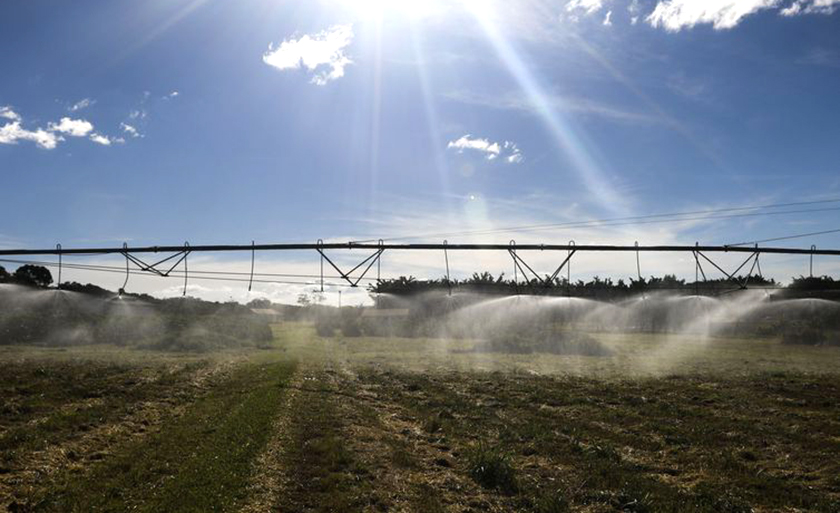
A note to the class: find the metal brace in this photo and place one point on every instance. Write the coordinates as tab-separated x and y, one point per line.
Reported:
372	259
731	276
153	268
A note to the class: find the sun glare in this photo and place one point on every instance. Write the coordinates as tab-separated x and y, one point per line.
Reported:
371	9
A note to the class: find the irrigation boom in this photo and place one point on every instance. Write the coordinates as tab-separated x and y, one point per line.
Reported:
422	247
179	254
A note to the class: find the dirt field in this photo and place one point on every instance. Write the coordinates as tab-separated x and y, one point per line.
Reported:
418	425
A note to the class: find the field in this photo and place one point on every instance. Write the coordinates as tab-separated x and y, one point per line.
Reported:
665	423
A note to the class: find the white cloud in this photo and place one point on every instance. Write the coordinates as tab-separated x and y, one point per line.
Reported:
608	19
81	104
587	6
173	94
104	140
7	113
71	127
514	153
811	7
634	9
12	132
674	15
130	130
491	150
48	139
321	53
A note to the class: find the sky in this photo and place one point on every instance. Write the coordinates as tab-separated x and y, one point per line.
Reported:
164	121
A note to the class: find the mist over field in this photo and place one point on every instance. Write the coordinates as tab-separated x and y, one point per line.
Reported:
467	256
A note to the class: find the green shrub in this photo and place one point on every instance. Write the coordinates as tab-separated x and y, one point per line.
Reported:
491	468
325	326
808	336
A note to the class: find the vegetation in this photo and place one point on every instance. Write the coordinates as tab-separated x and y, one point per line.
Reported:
198	462
596	288
32	275
85	314
492	469
376	423
338	413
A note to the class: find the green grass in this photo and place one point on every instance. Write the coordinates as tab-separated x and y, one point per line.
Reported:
631	355
724	444
48	402
491	468
665	423
325	474
199	462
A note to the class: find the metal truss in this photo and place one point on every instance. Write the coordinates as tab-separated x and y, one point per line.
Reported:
179	255
323	246
375	258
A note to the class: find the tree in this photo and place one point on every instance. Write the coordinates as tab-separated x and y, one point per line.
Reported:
259	303
313	298
33	275
4	276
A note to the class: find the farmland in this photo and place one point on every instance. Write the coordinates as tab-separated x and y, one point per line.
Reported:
310	423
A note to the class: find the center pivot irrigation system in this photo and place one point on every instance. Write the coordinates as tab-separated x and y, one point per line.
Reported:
178	255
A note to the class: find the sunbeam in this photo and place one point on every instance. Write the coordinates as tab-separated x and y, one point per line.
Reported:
572	144
430	111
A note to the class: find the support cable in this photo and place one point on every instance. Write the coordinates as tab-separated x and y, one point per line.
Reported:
375	259
58	248
786	237
446	258
194	272
321	245
638	263
186	268
696	274
379	261
569	269
125	283
524	268
520	262
752	268
556	273
512	251
370	260
639	271
672	217
178	274
251	279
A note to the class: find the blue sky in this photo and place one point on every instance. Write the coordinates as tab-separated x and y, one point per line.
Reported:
224	122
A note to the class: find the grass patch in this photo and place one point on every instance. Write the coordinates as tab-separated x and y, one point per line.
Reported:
691	443
491	468
48	402
198	462
325	475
